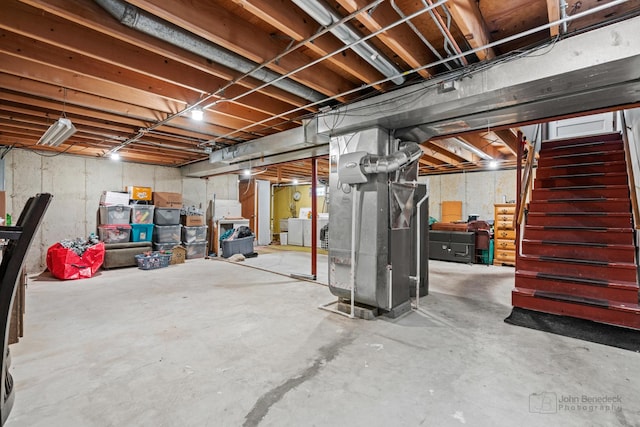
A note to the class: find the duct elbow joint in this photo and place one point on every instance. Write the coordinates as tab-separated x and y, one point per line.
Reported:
408	154
354	167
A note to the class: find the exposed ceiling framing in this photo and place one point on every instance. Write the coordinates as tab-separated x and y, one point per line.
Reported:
130	92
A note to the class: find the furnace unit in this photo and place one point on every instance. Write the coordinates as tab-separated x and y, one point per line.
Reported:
375	263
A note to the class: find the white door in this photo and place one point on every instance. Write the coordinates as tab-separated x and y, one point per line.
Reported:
263	201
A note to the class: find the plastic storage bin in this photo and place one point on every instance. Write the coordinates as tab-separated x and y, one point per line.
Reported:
153	260
114	233
166	233
165	246
116	214
166	216
142	214
141	232
237	246
196	250
194	234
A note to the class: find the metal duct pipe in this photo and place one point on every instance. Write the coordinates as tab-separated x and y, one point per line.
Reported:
149	24
325	17
417	277
372	163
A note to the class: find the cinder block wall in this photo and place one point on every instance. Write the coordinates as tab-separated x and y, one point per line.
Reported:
76	184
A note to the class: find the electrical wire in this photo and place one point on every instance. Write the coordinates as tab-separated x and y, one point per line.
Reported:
412	96
56	154
417	94
5	151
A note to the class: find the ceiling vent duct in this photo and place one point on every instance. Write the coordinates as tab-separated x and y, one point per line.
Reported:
57	133
149	24
325	17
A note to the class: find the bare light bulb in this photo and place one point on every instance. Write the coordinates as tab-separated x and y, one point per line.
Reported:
197	114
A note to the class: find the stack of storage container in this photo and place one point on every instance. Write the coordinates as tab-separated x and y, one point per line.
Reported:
141	223
114	224
122	223
166	232
194	239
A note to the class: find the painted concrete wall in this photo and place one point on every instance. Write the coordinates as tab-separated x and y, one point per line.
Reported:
478	191
285	207
77	183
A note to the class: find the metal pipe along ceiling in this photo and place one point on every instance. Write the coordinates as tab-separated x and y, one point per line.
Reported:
350	91
142	21
325	17
419	34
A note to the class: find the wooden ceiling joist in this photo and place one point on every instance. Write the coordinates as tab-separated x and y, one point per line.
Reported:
468	17
94	18
213	23
400	39
116	83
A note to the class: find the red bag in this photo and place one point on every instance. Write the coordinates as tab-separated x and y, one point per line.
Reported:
65	264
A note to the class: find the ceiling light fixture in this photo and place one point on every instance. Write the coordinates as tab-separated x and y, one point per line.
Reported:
247	172
349	37
295	182
493	164
57	133
115	156
197	114
478	152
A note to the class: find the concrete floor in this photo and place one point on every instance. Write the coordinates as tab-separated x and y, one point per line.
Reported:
212	343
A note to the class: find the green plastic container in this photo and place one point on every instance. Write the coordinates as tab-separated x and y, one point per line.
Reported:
487	256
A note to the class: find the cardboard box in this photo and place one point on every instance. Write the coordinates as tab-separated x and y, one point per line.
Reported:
192	220
110	198
139	193
178	255
163	199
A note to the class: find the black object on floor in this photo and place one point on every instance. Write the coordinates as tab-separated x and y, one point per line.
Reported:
587	330
19	239
251	255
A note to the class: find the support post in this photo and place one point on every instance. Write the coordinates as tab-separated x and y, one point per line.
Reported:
314	217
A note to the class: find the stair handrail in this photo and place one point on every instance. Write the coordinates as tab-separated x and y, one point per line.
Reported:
629	165
526	183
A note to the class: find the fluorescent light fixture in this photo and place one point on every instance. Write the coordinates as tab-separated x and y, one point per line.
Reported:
197	114
57	133
115	156
326	17
471	148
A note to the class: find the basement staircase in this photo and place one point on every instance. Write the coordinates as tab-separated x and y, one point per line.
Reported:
578	254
